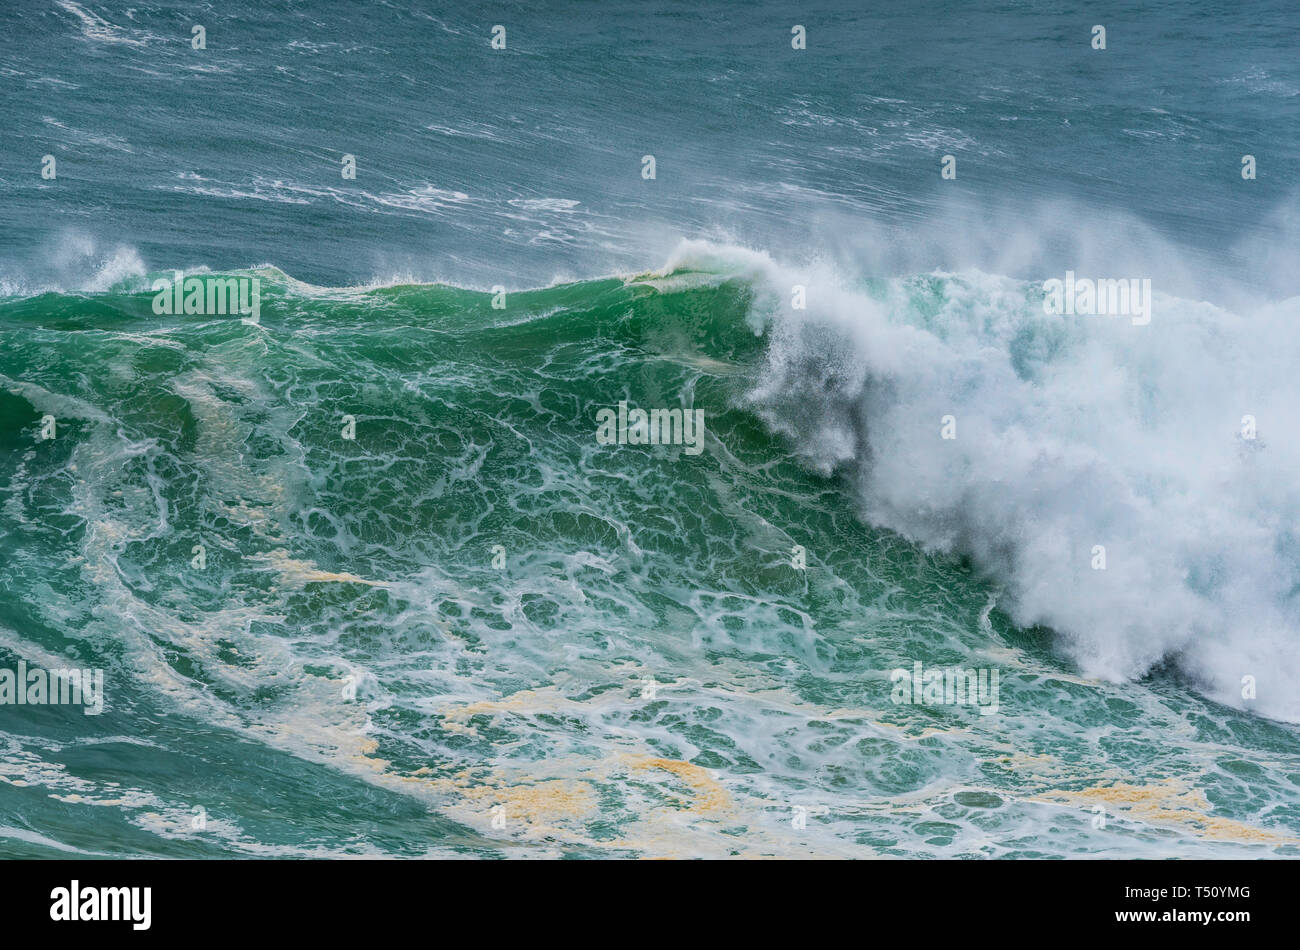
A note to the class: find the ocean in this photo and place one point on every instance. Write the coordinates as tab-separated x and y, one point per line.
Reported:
650	429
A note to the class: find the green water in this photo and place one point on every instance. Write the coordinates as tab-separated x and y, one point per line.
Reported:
642	671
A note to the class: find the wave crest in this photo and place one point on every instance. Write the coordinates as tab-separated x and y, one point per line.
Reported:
1074	437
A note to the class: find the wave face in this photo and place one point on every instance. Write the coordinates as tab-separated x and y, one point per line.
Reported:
467	626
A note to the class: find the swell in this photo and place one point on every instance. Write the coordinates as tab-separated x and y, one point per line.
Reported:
1074	437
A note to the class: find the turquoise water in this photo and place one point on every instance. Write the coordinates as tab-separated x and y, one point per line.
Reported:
436	614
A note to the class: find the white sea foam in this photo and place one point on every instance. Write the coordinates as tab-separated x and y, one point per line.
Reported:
99	30
1071	433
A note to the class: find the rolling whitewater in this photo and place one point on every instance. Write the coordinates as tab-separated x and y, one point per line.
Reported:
364	575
